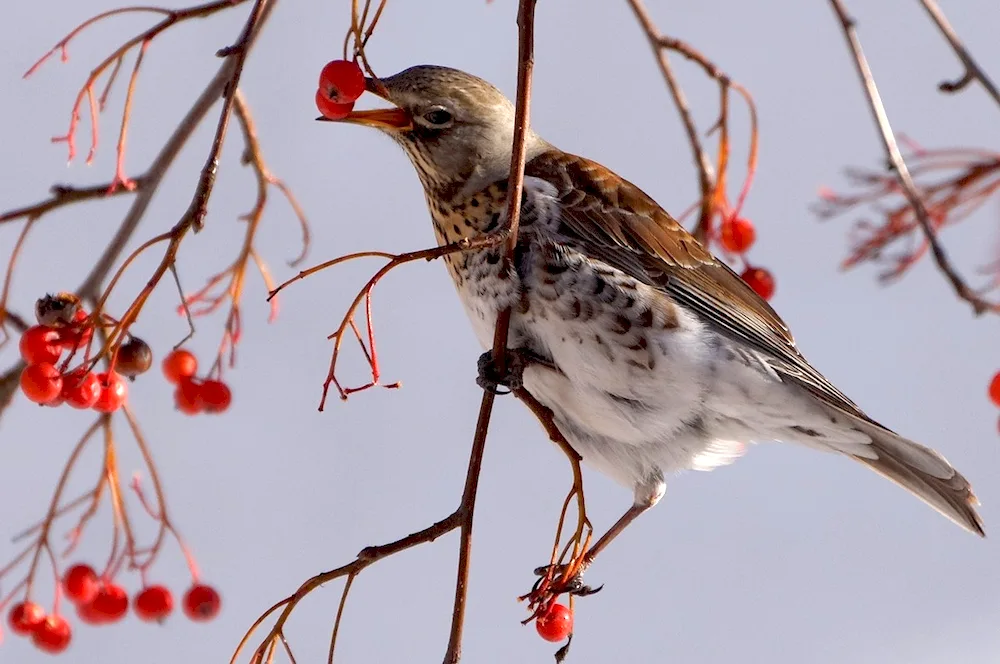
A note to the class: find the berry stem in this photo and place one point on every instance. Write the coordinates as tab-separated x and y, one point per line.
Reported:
160	512
43	535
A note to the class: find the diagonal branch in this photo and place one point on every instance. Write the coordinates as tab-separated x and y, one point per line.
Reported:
237	55
973	72
898	164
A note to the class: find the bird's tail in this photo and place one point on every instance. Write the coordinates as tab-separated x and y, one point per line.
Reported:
923	472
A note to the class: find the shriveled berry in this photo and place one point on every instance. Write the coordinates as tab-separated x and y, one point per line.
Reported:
215	396
760	280
179	364
81	389
330	109
114	390
53	635
134	357
342	81
25	617
201	603
41	382
40	343
555	624
57	310
80	584
154	603
111	603
737	235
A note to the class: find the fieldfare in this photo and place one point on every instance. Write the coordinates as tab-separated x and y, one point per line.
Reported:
653	355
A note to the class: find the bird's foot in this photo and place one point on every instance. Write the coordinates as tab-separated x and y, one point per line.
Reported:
492	376
555	580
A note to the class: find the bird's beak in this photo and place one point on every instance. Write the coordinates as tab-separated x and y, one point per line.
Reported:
391	119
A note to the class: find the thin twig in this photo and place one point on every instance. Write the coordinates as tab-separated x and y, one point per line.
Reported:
237	54
973	72
706	174
979	305
64	194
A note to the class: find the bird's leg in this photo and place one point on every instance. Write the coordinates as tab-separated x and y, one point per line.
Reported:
568	578
492	376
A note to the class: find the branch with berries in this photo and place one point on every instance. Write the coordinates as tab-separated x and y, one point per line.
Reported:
75	332
340	84
719	222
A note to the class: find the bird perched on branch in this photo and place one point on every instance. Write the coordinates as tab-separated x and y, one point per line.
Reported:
653	355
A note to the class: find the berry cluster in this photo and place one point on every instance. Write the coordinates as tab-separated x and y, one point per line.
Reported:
736	236
100	602
341	82
65	328
194	395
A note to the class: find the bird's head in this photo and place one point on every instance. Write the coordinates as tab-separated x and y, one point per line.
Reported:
456	128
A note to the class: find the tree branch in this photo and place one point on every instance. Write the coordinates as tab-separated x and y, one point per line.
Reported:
515	187
973	72
706	174
898	164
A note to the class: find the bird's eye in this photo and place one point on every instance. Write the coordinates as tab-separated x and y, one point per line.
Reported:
437	117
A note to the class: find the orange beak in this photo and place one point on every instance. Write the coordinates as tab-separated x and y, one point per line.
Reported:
395	119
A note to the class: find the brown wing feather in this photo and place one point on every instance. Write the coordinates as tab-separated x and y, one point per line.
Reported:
613	221
605	214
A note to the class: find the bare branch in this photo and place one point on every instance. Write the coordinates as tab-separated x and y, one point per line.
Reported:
979	305
706	174
525	66
973	72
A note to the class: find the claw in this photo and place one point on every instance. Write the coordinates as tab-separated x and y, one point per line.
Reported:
491	377
573	586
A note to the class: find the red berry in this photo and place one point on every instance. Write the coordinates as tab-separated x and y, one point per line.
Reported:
737	235
760	280
341	81
201	603
53	635
179	364
81	390
25	617
77	333
110	604
556	624
215	396
995	389
41	382
80	584
114	389
187	397
88	615
153	603
40	343
332	110
134	357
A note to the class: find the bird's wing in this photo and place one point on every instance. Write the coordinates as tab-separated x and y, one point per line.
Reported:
615	222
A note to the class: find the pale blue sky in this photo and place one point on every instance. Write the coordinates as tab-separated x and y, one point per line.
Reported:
788	556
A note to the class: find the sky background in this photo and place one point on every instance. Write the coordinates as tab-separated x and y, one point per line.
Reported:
788	556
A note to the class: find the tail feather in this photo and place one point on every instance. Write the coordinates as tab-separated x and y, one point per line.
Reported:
923	472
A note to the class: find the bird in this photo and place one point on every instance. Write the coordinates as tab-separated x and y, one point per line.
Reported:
653	355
